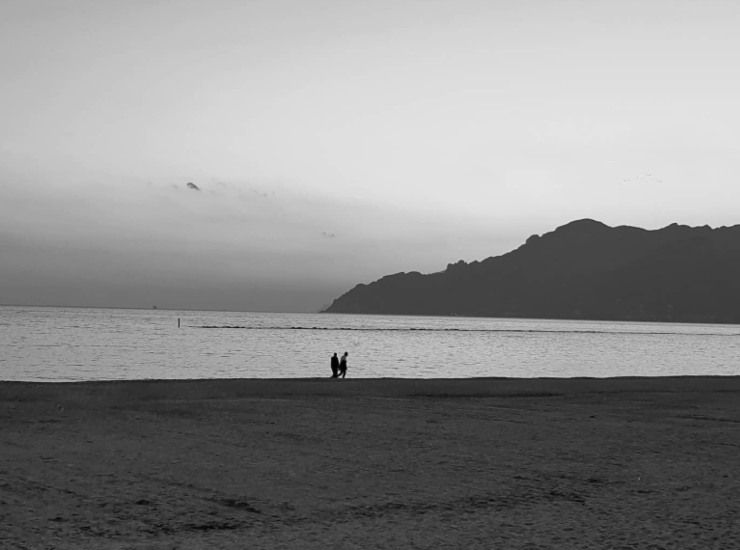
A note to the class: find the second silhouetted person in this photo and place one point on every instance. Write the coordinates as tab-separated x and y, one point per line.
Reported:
343	365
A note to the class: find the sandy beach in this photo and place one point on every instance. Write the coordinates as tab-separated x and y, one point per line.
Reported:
383	463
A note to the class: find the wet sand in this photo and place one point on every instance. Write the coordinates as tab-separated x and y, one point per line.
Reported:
482	463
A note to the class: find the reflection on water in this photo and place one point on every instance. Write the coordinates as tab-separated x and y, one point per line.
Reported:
83	344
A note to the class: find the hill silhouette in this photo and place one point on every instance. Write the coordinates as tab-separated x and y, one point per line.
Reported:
582	270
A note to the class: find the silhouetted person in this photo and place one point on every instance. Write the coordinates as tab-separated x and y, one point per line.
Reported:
343	365
334	366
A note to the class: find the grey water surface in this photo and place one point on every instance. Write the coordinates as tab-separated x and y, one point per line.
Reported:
68	344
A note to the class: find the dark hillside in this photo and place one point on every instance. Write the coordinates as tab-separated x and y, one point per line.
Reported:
582	270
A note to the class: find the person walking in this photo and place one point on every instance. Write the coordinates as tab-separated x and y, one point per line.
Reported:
343	365
334	366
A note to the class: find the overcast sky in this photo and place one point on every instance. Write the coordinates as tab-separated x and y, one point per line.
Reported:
336	141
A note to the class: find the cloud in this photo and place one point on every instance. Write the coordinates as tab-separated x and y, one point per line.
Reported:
238	247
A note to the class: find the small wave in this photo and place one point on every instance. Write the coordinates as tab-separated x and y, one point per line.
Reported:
491	330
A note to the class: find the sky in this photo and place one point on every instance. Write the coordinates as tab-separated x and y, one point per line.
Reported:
331	142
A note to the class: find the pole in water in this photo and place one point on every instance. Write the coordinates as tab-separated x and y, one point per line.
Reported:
178	322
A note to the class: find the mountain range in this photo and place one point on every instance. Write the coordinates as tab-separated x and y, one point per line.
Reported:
582	270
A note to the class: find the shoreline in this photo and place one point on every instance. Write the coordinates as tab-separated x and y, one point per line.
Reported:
371	463
409	387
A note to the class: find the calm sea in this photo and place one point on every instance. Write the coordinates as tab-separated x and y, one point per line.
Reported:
63	344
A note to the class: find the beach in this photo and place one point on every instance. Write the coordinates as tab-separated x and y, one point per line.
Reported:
371	463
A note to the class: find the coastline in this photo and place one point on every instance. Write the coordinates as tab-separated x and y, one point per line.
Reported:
371	463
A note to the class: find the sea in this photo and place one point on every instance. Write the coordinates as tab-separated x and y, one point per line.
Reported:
53	344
